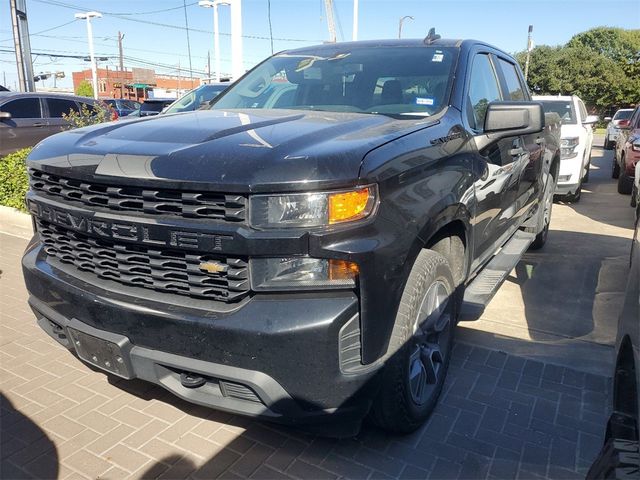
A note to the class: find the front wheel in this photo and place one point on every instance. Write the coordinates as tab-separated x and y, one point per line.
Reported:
607	143
615	173
420	347
575	196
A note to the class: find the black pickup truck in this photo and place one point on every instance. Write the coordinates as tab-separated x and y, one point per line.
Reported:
301	251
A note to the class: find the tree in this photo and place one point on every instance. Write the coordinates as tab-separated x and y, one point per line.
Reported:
598	80
621	46
84	89
99	112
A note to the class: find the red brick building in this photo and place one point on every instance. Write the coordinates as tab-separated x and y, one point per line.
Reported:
135	84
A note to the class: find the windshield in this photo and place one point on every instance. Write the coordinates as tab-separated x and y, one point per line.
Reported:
196	99
152	106
622	114
563	108
386	80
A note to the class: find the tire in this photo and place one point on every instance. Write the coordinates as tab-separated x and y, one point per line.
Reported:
586	177
634	196
615	173
545	221
419	350
608	145
625	183
574	197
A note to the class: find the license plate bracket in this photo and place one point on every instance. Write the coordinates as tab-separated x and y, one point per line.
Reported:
101	353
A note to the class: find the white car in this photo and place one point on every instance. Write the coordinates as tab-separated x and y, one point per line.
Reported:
576	139
612	127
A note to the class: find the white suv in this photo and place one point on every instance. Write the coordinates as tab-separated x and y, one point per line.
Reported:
576	141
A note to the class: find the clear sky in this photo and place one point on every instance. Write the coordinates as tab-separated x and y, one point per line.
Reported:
161	41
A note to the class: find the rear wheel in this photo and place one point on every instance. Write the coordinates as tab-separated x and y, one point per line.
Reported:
607	143
615	173
625	182
544	219
420	347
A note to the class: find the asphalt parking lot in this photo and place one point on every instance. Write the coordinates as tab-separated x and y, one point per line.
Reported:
526	397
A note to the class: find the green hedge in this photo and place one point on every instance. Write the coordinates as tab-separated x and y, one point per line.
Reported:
14	181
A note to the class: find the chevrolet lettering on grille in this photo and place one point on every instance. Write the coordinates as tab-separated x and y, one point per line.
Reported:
129	231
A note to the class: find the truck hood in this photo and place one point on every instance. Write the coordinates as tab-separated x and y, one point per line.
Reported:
234	151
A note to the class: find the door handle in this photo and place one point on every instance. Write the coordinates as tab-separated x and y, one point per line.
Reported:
514	152
38	124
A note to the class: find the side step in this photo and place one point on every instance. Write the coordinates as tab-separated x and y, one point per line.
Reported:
481	290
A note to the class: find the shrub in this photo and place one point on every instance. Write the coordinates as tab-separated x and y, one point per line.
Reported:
90	115
14	181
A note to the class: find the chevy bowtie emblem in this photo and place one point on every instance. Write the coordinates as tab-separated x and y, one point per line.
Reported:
212	267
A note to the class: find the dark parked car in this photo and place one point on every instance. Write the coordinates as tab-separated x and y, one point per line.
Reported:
154	106
304	263
627	152
27	118
122	107
620	455
198	98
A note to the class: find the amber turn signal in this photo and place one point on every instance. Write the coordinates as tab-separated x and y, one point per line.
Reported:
349	206
342	270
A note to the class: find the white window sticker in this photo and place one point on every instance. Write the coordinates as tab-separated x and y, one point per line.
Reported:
424	101
437	57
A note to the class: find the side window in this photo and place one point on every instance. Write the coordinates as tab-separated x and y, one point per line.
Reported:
483	89
514	86
635	118
58	106
23	108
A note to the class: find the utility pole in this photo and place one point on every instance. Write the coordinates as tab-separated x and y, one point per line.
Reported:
24	66
331	24
121	61
355	20
529	48
237	63
209	64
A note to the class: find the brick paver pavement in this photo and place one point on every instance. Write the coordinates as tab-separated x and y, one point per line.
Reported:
500	417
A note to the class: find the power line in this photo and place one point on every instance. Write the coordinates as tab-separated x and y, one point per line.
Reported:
167	25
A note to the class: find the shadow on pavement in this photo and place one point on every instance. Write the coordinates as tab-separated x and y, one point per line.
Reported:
24	446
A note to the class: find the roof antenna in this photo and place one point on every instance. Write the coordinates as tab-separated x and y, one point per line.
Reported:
431	37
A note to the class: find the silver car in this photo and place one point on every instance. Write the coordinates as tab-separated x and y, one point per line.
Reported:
612	127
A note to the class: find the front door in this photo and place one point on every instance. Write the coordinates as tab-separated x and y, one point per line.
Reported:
496	188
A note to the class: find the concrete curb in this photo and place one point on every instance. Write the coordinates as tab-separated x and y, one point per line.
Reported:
15	223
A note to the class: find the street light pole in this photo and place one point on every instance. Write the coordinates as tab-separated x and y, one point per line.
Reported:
94	69
529	48
216	34
400	24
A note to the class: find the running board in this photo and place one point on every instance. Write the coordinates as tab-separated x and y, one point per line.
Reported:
481	290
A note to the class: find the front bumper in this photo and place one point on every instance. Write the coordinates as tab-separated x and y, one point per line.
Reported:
281	352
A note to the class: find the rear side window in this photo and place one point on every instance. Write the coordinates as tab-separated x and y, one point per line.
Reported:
58	106
23	108
483	89
514	86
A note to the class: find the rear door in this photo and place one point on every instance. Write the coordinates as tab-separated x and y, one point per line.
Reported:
56	107
496	189
529	163
25	128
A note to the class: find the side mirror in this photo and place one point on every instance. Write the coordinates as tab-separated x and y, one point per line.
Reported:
591	119
507	119
624	124
607	119
5	116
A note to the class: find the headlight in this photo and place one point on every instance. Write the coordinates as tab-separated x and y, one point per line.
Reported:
311	209
568	146
301	273
635	146
569	142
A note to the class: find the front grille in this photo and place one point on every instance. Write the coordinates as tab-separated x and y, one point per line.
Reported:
159	269
137	199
